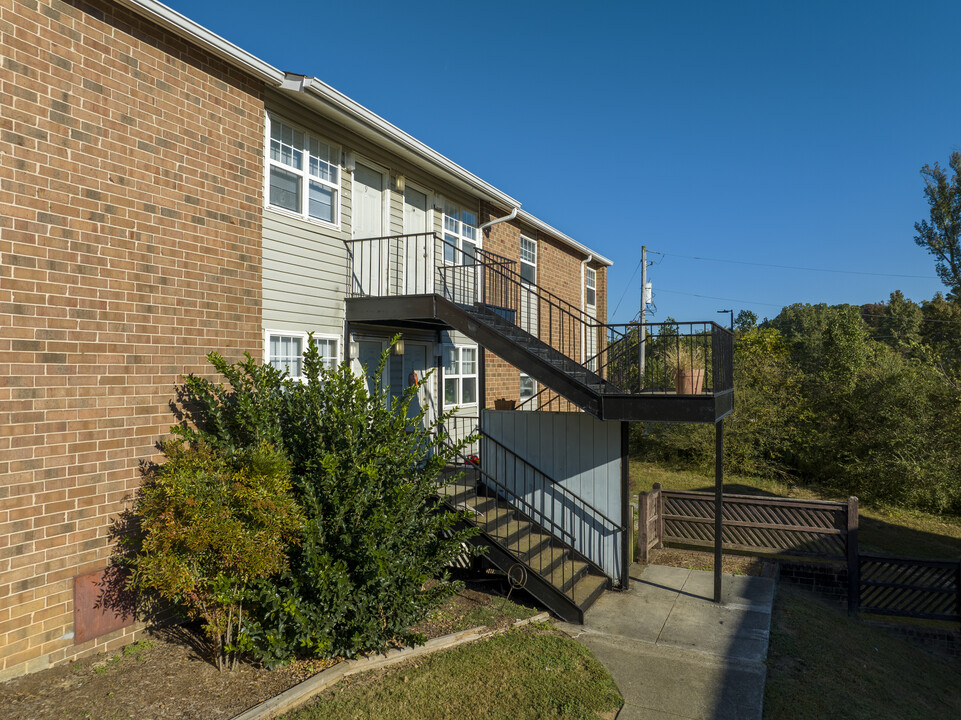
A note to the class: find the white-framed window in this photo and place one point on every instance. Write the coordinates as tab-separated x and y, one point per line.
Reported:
528	260
460	235
528	387
303	173
590	287
285	351
460	375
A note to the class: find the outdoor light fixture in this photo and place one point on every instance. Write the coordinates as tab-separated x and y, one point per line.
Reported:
354	350
399	183
398	348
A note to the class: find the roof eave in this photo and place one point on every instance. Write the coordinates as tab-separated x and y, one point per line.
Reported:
199	35
341	108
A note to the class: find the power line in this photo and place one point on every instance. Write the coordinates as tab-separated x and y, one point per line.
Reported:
790	267
715	297
628	287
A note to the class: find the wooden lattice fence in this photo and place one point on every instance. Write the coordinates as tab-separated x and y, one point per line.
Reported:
910	587
801	529
812	528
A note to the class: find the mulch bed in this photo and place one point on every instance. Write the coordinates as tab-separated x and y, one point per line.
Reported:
167	675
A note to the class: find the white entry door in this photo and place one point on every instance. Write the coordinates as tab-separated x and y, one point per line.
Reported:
370	256
418	270
416	366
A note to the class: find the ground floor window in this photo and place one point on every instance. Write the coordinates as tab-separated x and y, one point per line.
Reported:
528	387
460	375
285	351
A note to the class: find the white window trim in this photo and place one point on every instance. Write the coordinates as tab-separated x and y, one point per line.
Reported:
303	345
460	377
533	384
477	241
590	281
523	262
304	215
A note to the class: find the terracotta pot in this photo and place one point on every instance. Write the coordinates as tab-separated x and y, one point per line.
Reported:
690	381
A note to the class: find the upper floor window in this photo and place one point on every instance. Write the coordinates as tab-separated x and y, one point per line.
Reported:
590	287
460	234
528	260
303	173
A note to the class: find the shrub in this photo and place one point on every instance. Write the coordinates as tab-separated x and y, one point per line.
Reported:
371	554
212	522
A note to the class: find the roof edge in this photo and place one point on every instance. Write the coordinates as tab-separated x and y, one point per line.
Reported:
544	227
321	90
196	33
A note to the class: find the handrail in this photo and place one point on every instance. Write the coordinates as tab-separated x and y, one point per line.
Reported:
554	483
426	263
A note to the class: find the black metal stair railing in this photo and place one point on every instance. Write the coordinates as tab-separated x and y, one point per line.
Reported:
546	535
683	359
680	358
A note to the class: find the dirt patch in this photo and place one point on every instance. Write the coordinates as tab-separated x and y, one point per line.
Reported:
698	560
167	674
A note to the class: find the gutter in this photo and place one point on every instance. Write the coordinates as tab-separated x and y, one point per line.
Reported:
319	90
197	34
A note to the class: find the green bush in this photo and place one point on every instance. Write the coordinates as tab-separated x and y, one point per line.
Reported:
371	554
211	522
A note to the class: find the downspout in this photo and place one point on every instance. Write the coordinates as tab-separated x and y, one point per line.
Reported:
506	218
584	301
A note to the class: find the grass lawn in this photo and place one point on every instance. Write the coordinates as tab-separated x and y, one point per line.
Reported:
525	673
821	664
892	531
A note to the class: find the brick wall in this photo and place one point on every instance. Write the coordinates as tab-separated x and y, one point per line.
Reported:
130	196
558	270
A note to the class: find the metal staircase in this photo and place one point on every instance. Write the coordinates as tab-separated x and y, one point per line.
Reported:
536	532
536	551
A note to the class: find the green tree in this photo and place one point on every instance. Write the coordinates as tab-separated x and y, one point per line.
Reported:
745	320
900	324
942	235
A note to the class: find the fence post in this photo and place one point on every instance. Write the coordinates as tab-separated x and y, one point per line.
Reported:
854	568
643	513
658	516
957	586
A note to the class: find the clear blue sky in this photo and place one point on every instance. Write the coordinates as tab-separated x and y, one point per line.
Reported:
769	132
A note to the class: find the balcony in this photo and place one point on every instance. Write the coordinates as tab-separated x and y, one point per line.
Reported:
662	372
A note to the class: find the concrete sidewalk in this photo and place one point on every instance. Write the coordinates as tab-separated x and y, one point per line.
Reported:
674	653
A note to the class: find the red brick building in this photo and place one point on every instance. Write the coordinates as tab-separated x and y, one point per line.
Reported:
136	236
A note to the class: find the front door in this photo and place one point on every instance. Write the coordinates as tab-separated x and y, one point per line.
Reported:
418	273
368	357
367	208
416	366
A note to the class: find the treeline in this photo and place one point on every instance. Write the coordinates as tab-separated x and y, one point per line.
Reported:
863	401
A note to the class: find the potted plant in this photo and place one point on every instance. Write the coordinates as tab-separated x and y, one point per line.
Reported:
685	361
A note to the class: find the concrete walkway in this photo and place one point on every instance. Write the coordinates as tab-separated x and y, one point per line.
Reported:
674	653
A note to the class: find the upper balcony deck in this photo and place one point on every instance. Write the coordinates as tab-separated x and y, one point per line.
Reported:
658	372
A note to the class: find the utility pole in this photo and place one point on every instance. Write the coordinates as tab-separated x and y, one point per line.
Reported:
643	330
